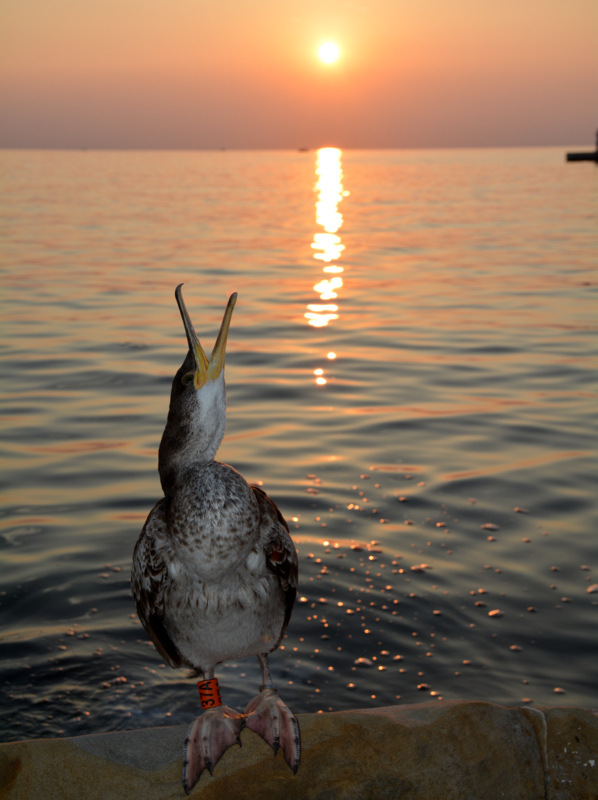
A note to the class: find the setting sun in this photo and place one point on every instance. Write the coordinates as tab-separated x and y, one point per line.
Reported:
329	52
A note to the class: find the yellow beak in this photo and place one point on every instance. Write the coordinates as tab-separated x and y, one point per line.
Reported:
206	369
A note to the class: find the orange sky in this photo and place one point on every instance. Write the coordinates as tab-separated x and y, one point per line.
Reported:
201	74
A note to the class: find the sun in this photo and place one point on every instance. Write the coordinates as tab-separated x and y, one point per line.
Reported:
329	52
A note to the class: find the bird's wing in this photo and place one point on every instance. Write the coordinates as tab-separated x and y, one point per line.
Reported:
148	579
281	556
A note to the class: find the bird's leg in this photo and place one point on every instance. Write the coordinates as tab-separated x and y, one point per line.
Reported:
210	734
271	719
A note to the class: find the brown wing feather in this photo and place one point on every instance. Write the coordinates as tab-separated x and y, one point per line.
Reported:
281	555
147	583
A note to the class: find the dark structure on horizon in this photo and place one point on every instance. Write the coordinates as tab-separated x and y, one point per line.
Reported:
591	156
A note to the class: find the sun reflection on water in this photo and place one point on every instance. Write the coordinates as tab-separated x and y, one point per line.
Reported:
327	244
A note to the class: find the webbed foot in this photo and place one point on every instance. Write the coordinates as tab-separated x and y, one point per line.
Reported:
208	737
271	719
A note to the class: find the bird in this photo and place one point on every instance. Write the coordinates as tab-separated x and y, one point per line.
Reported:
214	574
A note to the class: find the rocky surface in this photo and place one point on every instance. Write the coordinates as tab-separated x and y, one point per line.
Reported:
433	751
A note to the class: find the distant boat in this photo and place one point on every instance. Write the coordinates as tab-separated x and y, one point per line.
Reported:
591	156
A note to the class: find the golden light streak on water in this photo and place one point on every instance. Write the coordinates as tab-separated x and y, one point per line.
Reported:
327	243
326	288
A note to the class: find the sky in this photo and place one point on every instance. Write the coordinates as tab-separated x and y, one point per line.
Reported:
237	74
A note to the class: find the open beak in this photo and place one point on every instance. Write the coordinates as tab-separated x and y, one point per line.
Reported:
206	369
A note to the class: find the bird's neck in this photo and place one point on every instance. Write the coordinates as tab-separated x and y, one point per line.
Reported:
192	434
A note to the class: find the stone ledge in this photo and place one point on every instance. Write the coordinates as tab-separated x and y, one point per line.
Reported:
433	751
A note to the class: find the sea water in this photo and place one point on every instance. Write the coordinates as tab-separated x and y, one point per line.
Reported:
410	374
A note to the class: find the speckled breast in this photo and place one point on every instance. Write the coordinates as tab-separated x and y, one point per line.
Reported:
213	519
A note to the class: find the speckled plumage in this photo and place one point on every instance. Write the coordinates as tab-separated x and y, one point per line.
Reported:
204	581
214	569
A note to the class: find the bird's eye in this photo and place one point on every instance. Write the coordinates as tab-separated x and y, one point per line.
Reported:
187	378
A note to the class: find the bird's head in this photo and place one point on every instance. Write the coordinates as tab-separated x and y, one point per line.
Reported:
197	413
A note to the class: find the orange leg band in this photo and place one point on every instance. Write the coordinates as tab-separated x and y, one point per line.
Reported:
209	693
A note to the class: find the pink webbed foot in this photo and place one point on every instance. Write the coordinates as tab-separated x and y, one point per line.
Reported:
271	719
208	737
